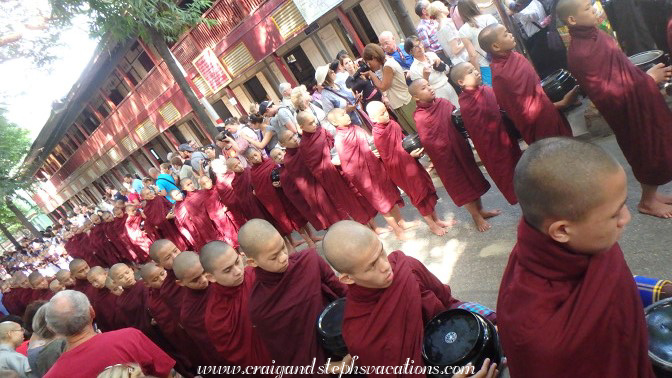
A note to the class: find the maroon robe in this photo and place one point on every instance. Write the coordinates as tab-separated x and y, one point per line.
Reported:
669	34
105	305
138	237
364	170
192	319
285	306
227	321
308	194
225	223
449	151
9	300
498	152
133	309
104	248
628	99
384	327
85	287
79	247
194	223
116	231
245	198
520	95
556	311
405	171
227	195
41	295
286	218
172	293
155	219
315	150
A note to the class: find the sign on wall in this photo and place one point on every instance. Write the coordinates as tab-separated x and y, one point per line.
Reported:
211	70
311	10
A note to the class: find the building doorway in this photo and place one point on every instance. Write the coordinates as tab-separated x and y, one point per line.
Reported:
256	90
299	64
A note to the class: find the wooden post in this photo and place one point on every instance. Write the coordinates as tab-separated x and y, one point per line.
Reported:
82	130
239	106
124	78
109	102
151	157
172	138
149	52
350	29
284	70
138	165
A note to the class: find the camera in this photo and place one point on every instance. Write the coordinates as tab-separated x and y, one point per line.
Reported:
440	67
363	67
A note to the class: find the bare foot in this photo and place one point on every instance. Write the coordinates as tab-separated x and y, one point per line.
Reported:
382	230
489	214
657	209
401	235
408	225
298	242
311	244
316	238
482	225
664	198
437	230
446	224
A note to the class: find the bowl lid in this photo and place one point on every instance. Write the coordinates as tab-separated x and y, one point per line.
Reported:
555	76
330	321
659	324
645	57
451	336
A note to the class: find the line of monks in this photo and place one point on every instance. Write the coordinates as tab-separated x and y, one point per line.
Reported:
223	307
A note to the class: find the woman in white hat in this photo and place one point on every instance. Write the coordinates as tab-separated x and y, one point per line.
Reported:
333	96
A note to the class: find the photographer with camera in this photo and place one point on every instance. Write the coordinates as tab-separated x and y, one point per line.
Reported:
427	65
359	83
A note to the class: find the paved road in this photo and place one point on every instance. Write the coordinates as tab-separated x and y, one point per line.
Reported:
473	263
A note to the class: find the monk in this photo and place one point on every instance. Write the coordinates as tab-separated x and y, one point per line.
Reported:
389	299
193	223
224	186
316	144
285	216
403	168
628	99
453	160
303	189
289	294
139	239
65	278
132	303
163	253
242	186
227	319
39	286
224	220
22	293
159	218
79	269
498	151
104	302
189	273
55	286
116	232
105	250
555	309
518	89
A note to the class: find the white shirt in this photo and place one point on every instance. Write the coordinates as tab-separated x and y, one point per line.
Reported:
398	93
446	33
533	13
436	79
471	33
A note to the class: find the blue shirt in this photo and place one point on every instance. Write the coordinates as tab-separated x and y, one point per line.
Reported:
405	60
166	182
3	310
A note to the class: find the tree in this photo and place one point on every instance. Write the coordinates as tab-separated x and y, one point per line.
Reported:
158	21
14	144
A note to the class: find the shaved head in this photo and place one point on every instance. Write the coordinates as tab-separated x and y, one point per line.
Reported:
459	71
211	252
96	270
254	235
566	8
415	86
547	189
158	246
374	107
344	242
488	36
304	117
6	332
76	264
116	269
184	262
35	277
147	269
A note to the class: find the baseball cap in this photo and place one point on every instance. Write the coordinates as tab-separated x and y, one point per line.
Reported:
185	147
263	107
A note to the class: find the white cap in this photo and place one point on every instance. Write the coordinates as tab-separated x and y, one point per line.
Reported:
321	74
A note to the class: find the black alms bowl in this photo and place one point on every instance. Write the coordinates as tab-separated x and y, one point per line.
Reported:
411	142
459	123
330	327
659	324
275	175
558	84
458	337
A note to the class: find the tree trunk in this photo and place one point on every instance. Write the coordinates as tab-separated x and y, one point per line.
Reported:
405	21
9	236
22	218
199	110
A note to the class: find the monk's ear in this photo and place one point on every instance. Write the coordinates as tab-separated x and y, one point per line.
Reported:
460	83
571	20
209	277
179	282
251	262
559	231
346	279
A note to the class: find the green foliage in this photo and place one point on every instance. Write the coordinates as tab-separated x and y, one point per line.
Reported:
14	144
122	19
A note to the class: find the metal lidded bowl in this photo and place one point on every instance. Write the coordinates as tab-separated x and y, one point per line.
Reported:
647	59
458	122
330	328
659	325
558	84
275	175
457	337
411	142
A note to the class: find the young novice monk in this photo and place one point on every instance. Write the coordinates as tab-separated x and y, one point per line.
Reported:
132	303
242	186
138	237
483	120
518	88
227	318
40	287
366	172
65	278
223	218
289	294
78	270
189	273
389	300
403	168
555	309
193	223
55	286
628	99
104	303
316	144
453	160
159	218
285	216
